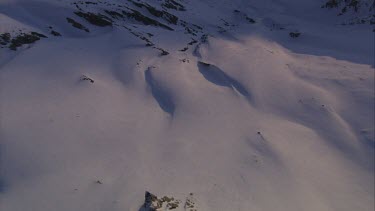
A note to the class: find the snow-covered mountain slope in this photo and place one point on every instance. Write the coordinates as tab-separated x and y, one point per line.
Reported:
218	105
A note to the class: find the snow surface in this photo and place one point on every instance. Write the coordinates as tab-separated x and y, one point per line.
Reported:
249	120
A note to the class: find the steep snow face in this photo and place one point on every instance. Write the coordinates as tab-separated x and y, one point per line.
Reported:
216	105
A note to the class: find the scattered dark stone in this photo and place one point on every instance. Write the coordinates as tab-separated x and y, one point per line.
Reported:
250	20
95	19
198	27
85	78
345	4
222	30
172	206
189	203
134	14
38	34
166	199
98	182
170	18
294	34
114	14
204	38
5	37
192	42
172	4
184	49
364	9
163	52
77	25
192	29
55	33
157	13
79	8
225	22
331	4
89	2
140	36
247	18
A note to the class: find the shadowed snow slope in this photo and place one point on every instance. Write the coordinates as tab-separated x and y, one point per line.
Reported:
206	101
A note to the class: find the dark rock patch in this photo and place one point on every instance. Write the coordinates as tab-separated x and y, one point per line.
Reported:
157	13
134	14
77	25
95	19
363	8
114	14
193	42
55	33
184	49
245	16
24	38
4	38
190	28
153	203
172	4
85	78
294	34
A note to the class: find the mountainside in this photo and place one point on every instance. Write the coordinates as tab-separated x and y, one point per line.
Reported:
200	105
